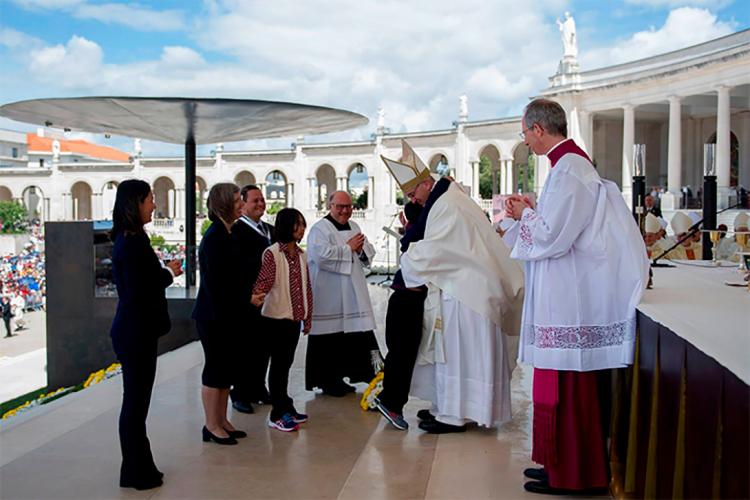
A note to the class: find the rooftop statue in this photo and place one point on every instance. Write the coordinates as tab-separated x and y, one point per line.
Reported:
570	40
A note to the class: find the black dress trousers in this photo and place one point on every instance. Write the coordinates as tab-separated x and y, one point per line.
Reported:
403	334
138	374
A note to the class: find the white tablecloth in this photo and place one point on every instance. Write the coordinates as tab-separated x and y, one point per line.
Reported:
695	304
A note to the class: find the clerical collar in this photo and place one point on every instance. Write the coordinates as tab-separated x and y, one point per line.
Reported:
337	225
564	147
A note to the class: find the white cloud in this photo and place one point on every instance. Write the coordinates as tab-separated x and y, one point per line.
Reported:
69	65
412	58
16	40
658	4
181	57
489	82
126	14
683	27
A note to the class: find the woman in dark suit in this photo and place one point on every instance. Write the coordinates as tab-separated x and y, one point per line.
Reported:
140	320
218	310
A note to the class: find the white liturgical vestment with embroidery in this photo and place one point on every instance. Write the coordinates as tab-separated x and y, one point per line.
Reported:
586	269
342	301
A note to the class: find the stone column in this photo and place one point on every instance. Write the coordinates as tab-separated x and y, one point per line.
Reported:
340	184
313	193
628	139
670	200
722	138
509	188
495	175
290	194
475	179
586	120
370	192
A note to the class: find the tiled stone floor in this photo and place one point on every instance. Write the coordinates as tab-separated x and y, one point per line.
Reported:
69	448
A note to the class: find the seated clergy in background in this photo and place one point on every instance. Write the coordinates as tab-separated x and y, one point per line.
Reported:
474	300
655	243
688	249
342	342
728	248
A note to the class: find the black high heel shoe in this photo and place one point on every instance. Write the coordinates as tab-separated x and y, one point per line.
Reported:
236	434
207	436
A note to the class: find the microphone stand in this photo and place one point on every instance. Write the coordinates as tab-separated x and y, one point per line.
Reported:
693	229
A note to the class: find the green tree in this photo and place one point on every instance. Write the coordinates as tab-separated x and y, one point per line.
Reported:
275	208
13	217
157	240
204	227
485	178
361	202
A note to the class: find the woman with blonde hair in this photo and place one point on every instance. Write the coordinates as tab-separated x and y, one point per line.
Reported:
215	311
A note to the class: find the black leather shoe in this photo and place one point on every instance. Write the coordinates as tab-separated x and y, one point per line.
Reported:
207	436
142	484
543	487
435	427
243	407
236	434
537	474
425	415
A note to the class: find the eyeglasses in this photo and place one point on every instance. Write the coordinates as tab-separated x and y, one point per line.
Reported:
522	133
342	207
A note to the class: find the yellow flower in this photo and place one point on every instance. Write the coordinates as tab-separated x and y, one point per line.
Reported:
373	390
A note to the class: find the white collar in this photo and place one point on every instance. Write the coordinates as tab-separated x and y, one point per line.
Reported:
258	226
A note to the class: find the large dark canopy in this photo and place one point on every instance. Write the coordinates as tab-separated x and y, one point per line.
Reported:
179	119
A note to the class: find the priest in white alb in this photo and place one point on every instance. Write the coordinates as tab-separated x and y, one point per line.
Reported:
586	269
342	341
471	313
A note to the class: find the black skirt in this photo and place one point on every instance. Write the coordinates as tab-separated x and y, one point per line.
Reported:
333	356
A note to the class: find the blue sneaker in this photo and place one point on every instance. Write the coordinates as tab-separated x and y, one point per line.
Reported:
299	418
394	418
285	424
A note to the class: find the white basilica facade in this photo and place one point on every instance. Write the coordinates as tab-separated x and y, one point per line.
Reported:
673	103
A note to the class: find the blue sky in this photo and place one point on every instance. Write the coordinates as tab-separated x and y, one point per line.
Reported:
412	58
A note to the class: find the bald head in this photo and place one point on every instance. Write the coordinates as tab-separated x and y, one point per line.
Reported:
340	205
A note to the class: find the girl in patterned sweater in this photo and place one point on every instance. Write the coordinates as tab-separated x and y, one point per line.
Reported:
283	289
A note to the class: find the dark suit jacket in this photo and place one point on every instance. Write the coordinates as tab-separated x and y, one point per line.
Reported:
142	305
250	245
654	210
218	292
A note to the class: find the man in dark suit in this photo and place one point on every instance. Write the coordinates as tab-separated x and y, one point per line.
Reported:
7	315
253	237
651	206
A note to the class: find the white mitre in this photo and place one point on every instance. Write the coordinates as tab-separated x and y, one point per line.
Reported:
695	217
652	224
410	171
681	223
741	221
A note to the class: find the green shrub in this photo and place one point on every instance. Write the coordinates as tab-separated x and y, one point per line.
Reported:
13	217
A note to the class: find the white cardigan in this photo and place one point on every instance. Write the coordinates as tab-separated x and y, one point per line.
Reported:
278	301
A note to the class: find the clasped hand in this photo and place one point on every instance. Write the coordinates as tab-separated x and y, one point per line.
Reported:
356	242
516	204
175	266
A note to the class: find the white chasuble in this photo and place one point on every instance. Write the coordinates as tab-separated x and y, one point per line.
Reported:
586	269
481	292
342	302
